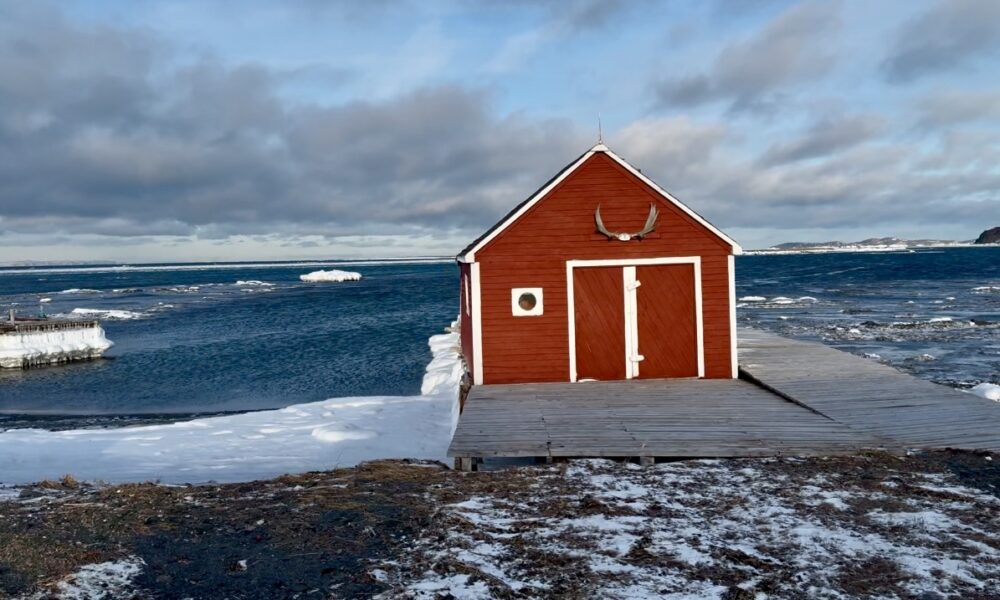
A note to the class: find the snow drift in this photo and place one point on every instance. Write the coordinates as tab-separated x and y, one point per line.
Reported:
333	275
20	349
339	432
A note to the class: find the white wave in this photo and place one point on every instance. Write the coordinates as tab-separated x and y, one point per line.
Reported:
253	283
984	289
110	314
333	275
78	291
753	299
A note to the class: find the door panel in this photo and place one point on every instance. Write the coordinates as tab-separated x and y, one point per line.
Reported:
599	307
668	337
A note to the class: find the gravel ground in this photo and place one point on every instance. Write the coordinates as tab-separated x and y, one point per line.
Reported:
925	526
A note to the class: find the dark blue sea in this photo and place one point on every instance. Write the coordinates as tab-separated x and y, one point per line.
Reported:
207	339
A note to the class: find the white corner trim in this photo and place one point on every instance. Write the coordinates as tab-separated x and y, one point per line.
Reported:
732	317
571	326
515	307
477	325
699	329
633	262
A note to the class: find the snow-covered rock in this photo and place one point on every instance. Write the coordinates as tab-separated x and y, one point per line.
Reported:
333	275
20	349
339	432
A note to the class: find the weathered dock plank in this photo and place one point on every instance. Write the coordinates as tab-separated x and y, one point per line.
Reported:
868	396
651	418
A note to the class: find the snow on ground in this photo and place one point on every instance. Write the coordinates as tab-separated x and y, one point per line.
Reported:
710	529
102	581
18	349
990	391
339	432
333	275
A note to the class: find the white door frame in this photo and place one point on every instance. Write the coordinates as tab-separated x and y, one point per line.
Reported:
631	321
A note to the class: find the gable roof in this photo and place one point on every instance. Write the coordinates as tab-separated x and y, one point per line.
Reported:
469	253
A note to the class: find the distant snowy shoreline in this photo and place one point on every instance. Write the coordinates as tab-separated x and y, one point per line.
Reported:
13	269
849	248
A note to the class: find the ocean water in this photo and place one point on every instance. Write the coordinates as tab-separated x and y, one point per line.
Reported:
197	340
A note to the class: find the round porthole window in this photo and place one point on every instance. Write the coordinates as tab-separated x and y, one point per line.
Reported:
527	301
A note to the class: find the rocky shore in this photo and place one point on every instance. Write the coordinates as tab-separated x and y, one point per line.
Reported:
924	526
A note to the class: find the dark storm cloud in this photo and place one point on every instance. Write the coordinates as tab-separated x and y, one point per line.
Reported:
114	133
951	34
790	49
828	136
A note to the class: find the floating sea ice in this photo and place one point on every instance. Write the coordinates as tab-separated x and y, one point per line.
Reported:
333	275
253	283
97	313
990	391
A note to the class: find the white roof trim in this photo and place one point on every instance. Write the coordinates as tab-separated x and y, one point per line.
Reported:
470	256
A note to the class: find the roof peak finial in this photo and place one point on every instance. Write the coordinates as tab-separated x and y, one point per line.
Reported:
600	131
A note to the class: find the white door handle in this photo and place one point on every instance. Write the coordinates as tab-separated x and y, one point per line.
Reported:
634	285
638	358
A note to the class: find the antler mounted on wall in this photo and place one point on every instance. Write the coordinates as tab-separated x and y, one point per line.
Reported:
624	237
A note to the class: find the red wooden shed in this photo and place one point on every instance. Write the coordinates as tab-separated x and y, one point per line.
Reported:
600	274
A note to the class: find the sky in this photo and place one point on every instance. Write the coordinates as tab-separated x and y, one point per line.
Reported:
140	130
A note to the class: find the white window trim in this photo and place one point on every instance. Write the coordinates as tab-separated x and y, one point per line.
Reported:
515	308
634	262
732	318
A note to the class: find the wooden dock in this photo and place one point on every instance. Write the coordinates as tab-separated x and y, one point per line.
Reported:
868	396
794	398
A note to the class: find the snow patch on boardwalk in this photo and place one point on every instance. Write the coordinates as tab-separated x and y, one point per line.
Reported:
339	432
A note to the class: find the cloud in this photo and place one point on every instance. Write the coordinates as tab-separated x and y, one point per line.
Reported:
791	48
827	136
953	33
106	131
951	107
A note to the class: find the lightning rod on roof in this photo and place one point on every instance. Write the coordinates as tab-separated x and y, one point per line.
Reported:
600	131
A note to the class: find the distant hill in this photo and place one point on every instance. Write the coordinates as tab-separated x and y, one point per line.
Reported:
990	236
868	245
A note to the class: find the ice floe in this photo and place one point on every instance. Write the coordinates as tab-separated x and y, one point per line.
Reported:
990	391
333	275
101	313
21	349
338	432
